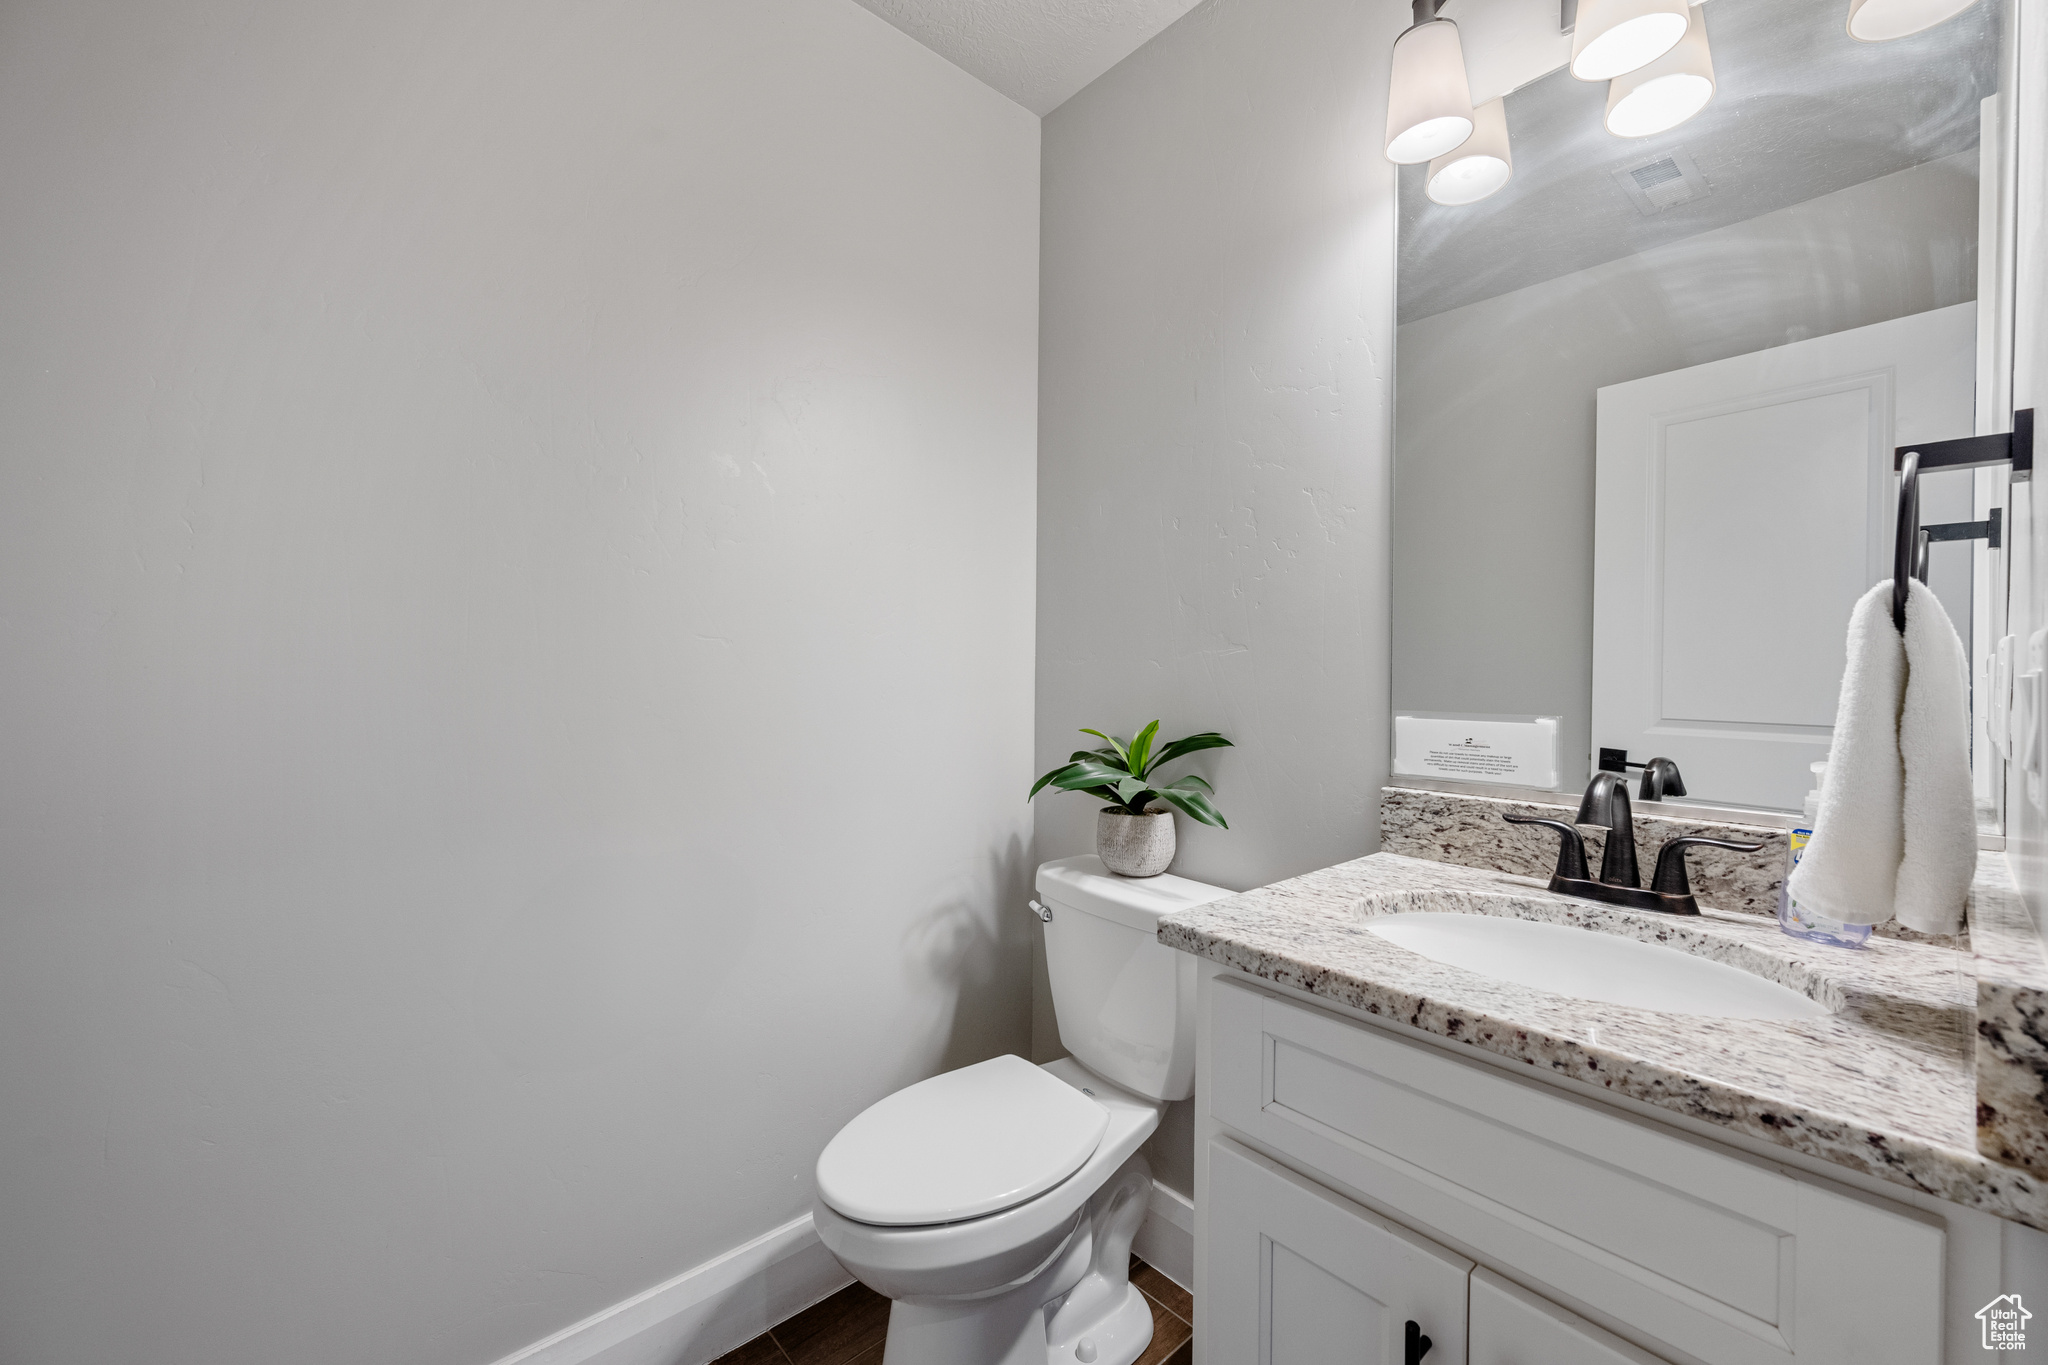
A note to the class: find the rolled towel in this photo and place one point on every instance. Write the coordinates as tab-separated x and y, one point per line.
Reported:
1850	869
1896	833
1934	744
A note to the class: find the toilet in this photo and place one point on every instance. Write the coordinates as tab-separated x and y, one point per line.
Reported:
996	1204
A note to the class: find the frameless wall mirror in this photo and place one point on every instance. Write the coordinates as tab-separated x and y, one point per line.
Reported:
1659	336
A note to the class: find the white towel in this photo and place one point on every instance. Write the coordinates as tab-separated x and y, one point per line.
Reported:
1934	743
1850	869
1897	830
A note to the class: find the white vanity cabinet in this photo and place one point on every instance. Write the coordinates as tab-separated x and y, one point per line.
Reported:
1304	1277
1511	1326
1307	1277
1352	1178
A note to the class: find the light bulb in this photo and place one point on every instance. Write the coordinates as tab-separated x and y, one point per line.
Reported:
1669	90
1877	21
1429	104
1615	37
1469	173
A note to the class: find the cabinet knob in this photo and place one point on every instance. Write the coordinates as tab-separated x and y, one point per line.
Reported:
1414	1345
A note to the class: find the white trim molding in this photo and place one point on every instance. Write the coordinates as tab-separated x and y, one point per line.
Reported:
1166	1239
705	1311
729	1300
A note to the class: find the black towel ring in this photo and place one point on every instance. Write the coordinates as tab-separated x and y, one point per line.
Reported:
1909	546
1907	554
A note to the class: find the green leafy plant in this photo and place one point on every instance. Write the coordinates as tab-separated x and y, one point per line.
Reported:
1121	774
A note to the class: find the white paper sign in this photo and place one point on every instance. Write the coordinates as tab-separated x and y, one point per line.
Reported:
1518	750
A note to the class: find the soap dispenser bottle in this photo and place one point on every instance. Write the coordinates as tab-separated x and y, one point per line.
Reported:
1794	920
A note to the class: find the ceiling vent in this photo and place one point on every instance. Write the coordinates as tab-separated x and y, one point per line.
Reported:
1661	182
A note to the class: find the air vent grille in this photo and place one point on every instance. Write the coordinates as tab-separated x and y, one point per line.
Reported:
1660	182
1656	173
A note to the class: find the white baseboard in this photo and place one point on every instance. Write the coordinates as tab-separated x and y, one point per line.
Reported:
1166	1239
704	1312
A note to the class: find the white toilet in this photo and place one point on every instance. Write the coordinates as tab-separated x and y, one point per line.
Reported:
996	1204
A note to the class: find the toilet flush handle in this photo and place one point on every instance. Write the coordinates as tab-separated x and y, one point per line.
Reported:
1043	912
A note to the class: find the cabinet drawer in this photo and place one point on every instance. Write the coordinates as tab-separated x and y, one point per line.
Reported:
1721	1256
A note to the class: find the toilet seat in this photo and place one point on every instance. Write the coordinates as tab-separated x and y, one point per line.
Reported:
963	1145
976	1255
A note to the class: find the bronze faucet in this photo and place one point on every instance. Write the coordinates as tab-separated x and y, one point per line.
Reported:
1606	805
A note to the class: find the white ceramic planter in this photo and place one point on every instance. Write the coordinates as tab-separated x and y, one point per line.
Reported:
1135	845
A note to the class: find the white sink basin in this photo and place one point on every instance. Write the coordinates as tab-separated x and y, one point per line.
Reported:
1588	965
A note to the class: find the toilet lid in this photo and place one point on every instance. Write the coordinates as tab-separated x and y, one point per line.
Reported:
968	1143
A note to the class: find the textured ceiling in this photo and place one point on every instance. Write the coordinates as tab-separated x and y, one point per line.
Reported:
1038	52
1801	110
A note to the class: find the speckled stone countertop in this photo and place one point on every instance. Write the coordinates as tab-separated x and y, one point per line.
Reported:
1455	827
1467	829
1885	1085
2012	1026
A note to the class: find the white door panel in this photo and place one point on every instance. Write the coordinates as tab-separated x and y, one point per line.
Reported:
1736	514
1741	507
1301	1276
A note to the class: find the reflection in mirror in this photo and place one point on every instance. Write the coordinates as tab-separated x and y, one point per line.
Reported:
1649	389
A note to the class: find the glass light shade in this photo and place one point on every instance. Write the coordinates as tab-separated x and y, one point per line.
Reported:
1615	37
1469	173
1429	106
1877	21
1669	90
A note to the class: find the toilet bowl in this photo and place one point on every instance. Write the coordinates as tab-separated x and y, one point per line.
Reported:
996	1204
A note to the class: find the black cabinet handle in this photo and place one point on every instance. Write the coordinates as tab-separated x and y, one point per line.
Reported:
1414	1345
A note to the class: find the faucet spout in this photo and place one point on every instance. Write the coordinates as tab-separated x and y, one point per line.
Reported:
1606	806
1660	779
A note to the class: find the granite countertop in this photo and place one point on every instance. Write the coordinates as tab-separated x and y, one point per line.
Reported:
1885	1085
2012	1026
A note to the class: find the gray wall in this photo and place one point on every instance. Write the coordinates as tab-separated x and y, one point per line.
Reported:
492	491
1213	454
1493	489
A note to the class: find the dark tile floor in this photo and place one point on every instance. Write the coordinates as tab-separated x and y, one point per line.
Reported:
848	1328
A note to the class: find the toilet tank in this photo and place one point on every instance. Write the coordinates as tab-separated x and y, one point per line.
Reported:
1125	1002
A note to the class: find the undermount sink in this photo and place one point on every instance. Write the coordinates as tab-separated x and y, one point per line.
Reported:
1588	965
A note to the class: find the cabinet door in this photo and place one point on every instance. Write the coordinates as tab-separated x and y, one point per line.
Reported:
1300	1276
1511	1326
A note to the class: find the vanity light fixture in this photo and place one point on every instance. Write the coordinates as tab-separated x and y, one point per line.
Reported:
1877	21
1467	174
1614	37
1669	90
1429	103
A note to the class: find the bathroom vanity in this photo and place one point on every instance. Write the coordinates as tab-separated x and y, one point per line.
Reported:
1661	407
1533	1178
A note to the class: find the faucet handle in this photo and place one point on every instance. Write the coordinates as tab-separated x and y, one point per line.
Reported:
1571	853
1669	878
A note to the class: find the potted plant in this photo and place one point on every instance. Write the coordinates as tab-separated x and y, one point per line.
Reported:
1133	838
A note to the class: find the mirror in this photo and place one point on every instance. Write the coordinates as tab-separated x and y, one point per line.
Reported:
1648	393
